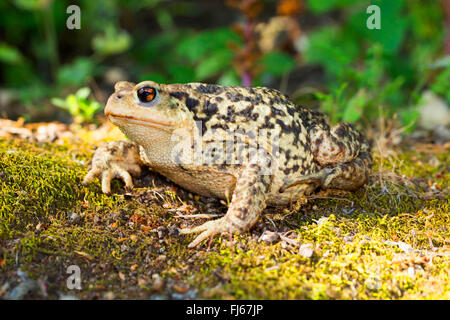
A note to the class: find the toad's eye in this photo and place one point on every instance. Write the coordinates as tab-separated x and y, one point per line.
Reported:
146	94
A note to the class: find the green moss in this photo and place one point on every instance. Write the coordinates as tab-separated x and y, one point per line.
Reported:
353	257
48	221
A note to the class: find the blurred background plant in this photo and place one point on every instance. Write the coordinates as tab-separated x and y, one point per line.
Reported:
319	52
79	106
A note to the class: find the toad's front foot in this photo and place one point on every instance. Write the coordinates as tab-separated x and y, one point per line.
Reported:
209	229
115	159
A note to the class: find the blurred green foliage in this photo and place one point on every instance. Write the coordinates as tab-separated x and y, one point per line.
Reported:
441	85
367	72
384	70
79	106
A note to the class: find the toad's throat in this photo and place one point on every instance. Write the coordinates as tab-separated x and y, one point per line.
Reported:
116	119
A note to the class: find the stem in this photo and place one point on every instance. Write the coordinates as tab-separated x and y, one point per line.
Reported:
446	6
51	39
246	77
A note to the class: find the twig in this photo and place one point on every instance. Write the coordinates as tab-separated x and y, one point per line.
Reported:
289	240
334	198
200	215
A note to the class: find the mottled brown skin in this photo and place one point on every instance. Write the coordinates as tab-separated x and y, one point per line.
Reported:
183	118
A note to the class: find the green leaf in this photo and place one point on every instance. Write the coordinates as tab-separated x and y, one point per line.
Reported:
441	84
58	102
278	63
409	119
164	18
355	107
72	104
77	73
30	4
394	25
9	54
322	6
229	78
196	47
81	109
330	48
111	42
213	64
332	103
151	49
83	93
90	109
181	73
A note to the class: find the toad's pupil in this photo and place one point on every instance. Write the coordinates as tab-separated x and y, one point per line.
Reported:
146	94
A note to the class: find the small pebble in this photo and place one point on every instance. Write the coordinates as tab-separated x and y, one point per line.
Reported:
109	295
269	237
157	283
162	258
411	272
306	250
162	232
373	283
321	220
174	231
74	217
188	295
67	297
348	239
158	297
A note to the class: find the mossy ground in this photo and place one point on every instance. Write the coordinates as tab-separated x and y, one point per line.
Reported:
389	240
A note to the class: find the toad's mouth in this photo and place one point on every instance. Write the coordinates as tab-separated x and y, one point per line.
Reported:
117	119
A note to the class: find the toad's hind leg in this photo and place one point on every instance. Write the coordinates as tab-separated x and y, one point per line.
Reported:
344	156
248	201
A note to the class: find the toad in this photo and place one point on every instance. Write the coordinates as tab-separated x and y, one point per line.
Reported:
252	146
